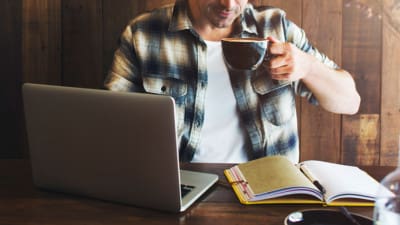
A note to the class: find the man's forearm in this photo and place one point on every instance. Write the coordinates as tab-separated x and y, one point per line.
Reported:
335	89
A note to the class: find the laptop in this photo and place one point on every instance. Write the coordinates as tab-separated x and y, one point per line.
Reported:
114	146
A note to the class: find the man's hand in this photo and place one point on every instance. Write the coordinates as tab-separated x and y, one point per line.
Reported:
287	62
334	88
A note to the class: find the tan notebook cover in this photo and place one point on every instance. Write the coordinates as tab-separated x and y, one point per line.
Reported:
276	180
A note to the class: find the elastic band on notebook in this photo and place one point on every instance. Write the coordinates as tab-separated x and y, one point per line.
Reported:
239	182
242	183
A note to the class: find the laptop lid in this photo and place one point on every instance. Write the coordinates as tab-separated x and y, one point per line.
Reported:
114	146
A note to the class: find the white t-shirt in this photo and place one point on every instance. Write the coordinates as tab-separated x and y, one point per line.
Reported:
223	136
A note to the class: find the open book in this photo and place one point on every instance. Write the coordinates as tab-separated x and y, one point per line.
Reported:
276	180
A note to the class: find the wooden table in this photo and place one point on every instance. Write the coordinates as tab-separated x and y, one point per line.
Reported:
22	203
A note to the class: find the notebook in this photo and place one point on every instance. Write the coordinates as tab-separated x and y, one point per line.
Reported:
113	146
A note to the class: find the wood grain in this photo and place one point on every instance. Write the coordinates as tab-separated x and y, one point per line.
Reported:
151	4
10	78
362	54
41	42
390	132
82	41
362	51
320	130
24	204
71	42
292	8
361	139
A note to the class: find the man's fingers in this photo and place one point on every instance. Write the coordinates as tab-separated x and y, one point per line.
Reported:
280	48
272	39
275	46
286	69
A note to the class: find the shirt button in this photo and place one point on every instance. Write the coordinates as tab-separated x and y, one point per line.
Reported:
163	88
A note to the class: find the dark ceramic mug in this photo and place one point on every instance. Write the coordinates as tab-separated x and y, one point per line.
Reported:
244	53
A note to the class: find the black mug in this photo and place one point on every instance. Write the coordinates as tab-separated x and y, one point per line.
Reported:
244	53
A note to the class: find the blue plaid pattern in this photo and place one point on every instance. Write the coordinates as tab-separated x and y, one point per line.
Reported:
161	53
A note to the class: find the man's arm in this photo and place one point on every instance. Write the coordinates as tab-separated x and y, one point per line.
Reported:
335	90
121	76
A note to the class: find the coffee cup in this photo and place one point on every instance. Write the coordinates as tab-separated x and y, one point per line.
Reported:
244	53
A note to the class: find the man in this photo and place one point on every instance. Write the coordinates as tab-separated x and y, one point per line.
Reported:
225	115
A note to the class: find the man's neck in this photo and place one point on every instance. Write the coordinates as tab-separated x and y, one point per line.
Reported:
212	33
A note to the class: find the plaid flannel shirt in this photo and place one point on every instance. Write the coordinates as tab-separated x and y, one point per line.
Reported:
161	53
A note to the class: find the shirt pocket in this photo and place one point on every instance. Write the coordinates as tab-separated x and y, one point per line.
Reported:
175	88
166	86
277	104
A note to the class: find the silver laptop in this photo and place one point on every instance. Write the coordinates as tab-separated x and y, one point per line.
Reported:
114	146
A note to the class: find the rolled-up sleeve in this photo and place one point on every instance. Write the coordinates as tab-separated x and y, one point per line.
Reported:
297	36
124	71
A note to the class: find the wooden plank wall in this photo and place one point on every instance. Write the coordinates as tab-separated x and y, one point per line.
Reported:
71	42
362	49
390	105
10	78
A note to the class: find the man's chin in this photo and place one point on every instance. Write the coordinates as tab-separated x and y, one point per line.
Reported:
223	24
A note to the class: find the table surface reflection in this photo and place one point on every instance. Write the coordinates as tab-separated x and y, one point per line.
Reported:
22	203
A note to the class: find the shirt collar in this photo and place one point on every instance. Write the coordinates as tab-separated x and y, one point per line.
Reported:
246	25
180	17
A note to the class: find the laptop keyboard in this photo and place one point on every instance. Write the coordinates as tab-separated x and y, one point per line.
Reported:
185	189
